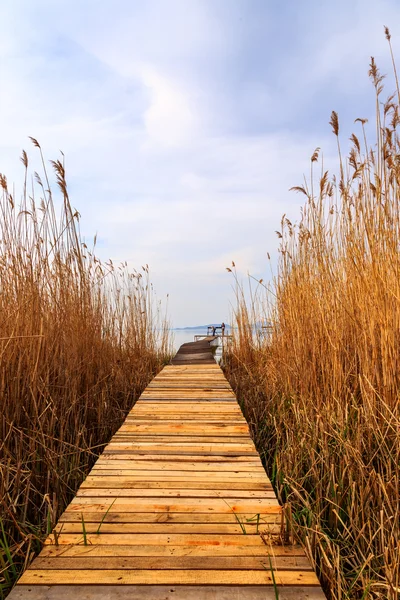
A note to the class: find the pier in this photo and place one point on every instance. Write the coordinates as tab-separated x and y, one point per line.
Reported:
177	507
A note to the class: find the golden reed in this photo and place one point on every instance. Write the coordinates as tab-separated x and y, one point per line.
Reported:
79	341
321	387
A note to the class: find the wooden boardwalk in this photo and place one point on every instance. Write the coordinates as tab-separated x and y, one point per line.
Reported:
174	508
194	353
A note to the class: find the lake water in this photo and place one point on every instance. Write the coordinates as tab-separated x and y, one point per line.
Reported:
184	336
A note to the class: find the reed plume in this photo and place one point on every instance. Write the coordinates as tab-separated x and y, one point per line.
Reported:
321	387
79	341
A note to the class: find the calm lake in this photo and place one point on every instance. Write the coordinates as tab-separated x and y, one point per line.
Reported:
186	335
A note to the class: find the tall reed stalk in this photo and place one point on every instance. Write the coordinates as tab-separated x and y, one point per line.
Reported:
79	340
322	388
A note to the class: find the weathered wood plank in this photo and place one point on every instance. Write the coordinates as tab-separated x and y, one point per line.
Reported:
182	428
214	563
151	539
185	446
219	474
120	550
246	528
173	453
191	505
187	406
167	517
202	380
180	385
107	463
187	394
121	577
106	470
174	492
181	417
199	438
177	484
161	592
203	399
176	456
193	405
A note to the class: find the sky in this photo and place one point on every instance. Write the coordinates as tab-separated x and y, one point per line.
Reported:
185	122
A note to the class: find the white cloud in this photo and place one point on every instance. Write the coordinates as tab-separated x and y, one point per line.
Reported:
169	119
159	108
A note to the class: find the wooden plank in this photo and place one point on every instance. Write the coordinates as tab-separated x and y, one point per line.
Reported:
182	368
175	437
116	484
204	381
193	377
243	448
154	528
201	382
194	405
165	373
189	476
185	414
182	428
187	409
162	592
206	414
206	401
167	517
191	505
145	577
218	474
144	413
205	368
161	550
198	434
190	392
165	451
191	452
108	463
176	440
188	406
163	399
185	418
105	470
257	563
157	539
187	393
193	388
172	491
143	416
191	383
187	457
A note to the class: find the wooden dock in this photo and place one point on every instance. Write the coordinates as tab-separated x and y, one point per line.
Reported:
192	353
178	507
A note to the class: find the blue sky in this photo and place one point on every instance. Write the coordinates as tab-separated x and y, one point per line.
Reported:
185	122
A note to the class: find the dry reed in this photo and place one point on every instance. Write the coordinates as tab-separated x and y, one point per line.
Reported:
321	389
79	340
